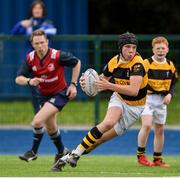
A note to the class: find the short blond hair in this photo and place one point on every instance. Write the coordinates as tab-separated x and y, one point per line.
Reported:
160	39
37	33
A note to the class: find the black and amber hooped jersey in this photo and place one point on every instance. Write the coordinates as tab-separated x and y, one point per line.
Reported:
162	77
121	73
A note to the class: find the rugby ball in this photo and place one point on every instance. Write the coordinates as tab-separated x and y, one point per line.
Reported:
90	75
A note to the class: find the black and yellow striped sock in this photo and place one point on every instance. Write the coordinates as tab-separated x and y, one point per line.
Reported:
93	135
141	151
157	156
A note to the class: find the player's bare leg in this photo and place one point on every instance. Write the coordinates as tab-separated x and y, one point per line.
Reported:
142	140
158	145
38	123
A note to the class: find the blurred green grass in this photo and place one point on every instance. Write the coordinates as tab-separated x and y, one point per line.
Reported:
75	112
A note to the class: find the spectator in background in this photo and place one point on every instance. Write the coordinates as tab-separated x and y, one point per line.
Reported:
36	20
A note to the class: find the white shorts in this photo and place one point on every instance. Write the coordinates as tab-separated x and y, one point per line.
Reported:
155	107
130	114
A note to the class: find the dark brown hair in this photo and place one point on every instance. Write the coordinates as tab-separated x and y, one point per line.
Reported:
34	3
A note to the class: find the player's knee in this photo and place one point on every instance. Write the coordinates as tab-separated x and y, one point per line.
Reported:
147	127
37	123
108	125
51	129
159	131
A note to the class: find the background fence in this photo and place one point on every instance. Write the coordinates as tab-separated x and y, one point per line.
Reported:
93	50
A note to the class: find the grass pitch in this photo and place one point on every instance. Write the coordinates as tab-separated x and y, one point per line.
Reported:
88	166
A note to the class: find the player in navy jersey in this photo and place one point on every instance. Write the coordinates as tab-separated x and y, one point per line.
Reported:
46	65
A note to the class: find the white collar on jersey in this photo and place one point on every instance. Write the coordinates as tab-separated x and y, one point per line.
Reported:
164	61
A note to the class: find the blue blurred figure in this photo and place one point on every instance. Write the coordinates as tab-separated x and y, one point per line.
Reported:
36	20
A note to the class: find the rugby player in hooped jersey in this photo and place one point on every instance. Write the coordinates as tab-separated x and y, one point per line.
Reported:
126	103
162	78
47	68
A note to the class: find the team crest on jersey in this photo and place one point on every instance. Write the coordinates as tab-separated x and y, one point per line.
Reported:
136	68
34	68
51	67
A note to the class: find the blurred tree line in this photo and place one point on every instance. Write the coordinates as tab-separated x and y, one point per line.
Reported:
137	16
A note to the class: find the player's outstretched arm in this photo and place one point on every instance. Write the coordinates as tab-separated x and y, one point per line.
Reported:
22	80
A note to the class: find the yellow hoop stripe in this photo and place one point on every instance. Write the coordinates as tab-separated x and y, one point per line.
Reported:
91	137
82	147
87	142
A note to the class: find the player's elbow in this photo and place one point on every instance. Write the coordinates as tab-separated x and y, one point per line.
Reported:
17	80
79	63
133	92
